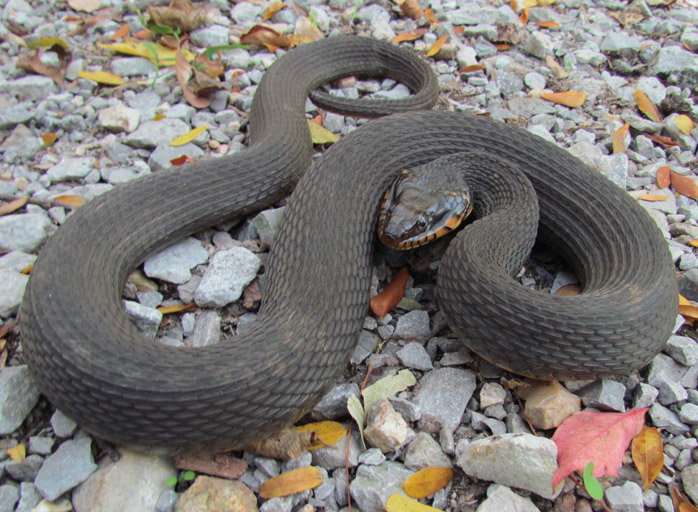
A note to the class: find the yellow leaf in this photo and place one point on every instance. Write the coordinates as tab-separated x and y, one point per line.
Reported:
296	480
548	24
648	455
272	10
400	503
685	124
48	42
694	243
683	301
652	197
647	107
17	453
437	45
619	138
189	136
26	270
321	135
569	98
159	116
154	52
176	308
102	77
427	481
328	432
69	199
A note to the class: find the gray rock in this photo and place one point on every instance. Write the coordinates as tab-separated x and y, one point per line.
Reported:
173	264
413	355
666	419
146	319
443	395
29	497
16	114
119	118
372	12
332	457
615	168
473	15
587	56
689	38
626	498
17	261
30	87
18	396
24	231
207	330
237	58
666	374
516	460
365	347
414	324
689	413
213	35
163	155
41	445
380	29
689	479
677	62
373	485
480	422
398	92
21	142
682	349
150	299
245	12
620	44
605	394
167	501
132	66
71	169
69	466
9	495
645	395
154	133
146	103
539	44
385	428
26	470
503	498
226	277
62	425
423	452
267	223
334	404
12	286
653	88
372	457
134	482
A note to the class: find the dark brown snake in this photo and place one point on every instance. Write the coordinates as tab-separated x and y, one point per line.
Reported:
95	365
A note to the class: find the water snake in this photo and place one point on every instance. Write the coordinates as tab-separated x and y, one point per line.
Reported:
93	363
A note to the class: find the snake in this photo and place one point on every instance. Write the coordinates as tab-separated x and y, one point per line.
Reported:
94	364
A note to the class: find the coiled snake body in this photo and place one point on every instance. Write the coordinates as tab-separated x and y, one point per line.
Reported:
95	365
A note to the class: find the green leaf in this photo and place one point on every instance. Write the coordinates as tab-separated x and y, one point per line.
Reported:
189	475
387	387
171	482
210	52
591	484
164	30
357	412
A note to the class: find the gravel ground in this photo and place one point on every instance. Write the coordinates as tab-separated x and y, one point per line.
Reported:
106	137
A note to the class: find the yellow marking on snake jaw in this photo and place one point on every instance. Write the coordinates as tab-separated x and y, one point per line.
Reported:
453	222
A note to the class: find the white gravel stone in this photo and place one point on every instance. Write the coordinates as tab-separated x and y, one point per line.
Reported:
119	119
146	319
154	133
12	286
504	499
71	169
414	324
226	277
69	466
626	498
443	395
24	232
173	263
18	395
413	355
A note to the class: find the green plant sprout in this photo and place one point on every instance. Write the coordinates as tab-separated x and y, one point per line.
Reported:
591	484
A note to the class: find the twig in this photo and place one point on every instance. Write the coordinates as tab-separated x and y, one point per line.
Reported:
346	460
44	203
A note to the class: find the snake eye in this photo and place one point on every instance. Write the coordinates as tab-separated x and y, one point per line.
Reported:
422	222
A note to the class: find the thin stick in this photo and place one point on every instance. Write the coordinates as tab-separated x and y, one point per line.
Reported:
346	460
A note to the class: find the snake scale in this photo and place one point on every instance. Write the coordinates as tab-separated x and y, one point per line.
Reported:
95	365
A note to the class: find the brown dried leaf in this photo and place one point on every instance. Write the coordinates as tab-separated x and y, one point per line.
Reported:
176	308
70	199
259	35
85	5
437	45
273	8
648	455
694	243
548	24
286	444
291	482
523	18
17	453
569	99
684	185
429	15
49	138
664	176
13	205
472	68
681	504
569	290
305	32
647	107
410	8
27	270
224	466
327	432
181	160
652	197
689	313
182	14
183	72
34	64
619	138
121	32
410	35
557	70
663	140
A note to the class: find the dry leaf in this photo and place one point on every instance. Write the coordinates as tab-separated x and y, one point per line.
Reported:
619	138
181	160
663	140
273	8
647	107
548	24
49	138
156	53
17	453
320	135
34	64
410	8
27	270
401	503
224	466
569	290
327	432
305	31
176	308
472	68
287	444
502	46
437	45
694	243
681	504
102	77
648	455
652	197
429	15
85	5
121	32
569	98
70	199
557	70
259	35
189	136
689	313
684	185
427	481
538	3
514	5
182	14
144	34
684	123
391	295
664	176
683	301
13	205
291	482
410	35
524	16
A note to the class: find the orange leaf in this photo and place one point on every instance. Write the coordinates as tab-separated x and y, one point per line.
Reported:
569	290
121	32
502	46
684	185
410	8
26	270
569	98
391	295
159	116
49	138
652	197
181	160
681	504
514	5
319	119
601	437
429	15
647	107
176	308
694	243
472	68
410	35
273	8
663	140
690	313
327	432
260	35
524	16
459	30
619	138
437	45
70	200
143	34
664	176
648	455
296	480
683	301
547	24
13	205
427	481
684	123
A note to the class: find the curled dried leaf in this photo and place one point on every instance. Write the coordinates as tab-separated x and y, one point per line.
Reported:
437	45
259	35
13	205
273	8
287	444
410	8
619	138
429	15
182	14
647	107
410	35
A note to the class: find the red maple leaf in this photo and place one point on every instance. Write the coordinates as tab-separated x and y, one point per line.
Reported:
601	437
